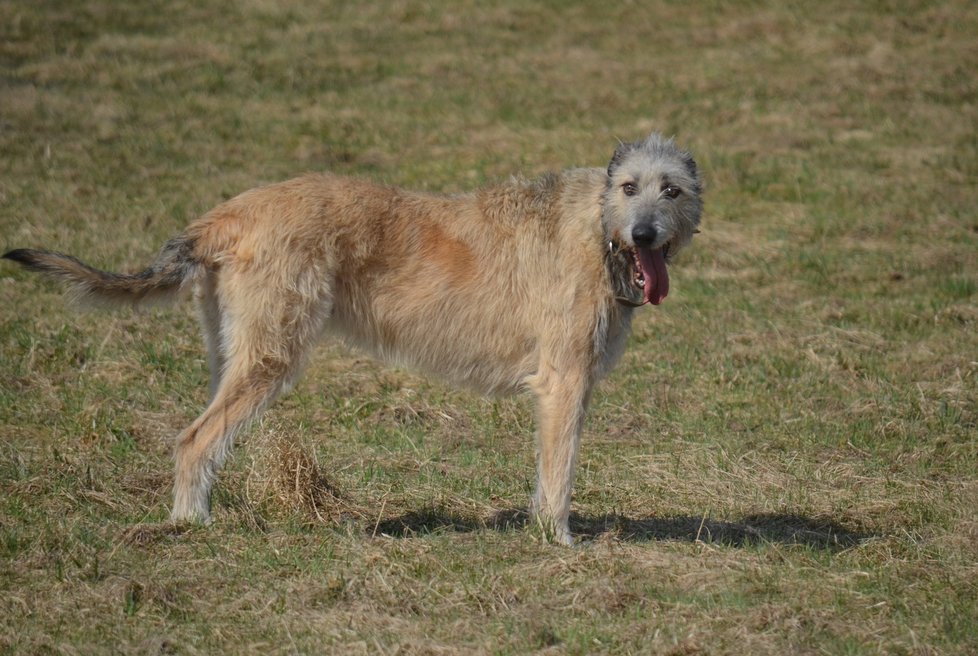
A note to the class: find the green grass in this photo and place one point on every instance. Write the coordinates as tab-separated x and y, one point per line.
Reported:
784	462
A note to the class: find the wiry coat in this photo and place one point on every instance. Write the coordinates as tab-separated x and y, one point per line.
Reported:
504	289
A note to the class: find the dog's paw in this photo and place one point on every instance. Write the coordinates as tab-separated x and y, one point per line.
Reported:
190	514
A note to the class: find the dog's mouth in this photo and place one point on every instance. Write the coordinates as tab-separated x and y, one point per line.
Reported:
647	275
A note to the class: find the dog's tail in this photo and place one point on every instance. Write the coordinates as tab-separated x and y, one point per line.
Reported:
173	268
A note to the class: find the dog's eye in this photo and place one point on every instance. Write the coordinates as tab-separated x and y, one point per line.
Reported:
629	189
671	191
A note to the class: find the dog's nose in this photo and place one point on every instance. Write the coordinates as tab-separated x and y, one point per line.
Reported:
644	234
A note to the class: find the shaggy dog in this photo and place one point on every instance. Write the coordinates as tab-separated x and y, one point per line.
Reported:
530	284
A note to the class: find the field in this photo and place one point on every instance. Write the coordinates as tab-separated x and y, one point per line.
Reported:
784	462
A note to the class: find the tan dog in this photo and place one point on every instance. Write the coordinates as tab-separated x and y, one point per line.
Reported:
526	285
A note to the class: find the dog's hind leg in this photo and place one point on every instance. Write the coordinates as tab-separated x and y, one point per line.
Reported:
267	335
202	448
210	321
562	399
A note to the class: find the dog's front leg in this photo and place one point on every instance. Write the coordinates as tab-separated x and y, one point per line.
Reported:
561	402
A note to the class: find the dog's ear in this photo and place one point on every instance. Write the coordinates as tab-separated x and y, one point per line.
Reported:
620	152
692	169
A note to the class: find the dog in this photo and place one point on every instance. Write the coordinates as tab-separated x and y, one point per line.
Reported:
527	285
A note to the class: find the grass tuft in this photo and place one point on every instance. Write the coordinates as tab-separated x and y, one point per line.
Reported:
286	478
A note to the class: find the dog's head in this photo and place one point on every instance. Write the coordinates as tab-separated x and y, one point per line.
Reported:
651	210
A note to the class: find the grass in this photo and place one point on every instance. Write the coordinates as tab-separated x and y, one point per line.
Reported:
783	462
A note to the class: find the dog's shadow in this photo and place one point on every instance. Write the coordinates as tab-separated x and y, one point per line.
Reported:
773	528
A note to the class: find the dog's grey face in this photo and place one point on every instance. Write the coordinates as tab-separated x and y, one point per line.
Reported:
651	210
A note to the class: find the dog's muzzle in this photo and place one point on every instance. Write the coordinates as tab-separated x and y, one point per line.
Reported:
639	274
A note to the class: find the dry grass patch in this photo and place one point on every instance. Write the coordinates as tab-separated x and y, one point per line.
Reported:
285	477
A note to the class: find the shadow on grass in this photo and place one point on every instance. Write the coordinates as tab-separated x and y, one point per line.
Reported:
752	529
787	529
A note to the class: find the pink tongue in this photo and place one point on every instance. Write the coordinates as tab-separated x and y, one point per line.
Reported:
656	276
